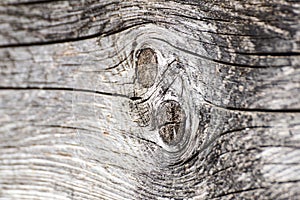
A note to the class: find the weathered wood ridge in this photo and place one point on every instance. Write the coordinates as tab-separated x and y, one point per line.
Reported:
149	99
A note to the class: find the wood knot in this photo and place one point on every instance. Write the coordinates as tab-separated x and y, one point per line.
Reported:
171	122
146	67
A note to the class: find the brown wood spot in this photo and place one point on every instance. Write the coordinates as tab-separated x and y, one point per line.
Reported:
146	67
171	120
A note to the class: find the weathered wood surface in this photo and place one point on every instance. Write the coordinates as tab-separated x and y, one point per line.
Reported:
149	99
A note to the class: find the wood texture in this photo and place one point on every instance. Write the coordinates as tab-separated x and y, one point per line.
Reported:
149	99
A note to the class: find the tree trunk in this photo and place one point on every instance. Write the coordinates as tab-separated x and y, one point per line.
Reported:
149	99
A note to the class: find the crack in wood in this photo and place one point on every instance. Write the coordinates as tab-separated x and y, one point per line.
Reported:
67	89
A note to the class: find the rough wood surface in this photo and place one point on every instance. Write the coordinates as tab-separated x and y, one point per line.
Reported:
149	99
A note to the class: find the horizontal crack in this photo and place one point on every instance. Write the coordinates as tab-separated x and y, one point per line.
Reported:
238	192
275	54
261	110
66	89
30	3
242	129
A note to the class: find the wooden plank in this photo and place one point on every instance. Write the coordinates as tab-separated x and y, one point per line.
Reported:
149	100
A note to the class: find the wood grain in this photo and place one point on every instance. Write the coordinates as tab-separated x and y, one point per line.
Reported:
149	99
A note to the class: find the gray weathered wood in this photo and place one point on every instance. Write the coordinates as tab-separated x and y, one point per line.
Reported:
149	99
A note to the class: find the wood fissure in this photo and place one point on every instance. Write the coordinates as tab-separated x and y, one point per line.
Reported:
66	89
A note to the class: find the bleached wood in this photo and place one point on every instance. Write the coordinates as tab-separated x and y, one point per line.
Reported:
77	121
